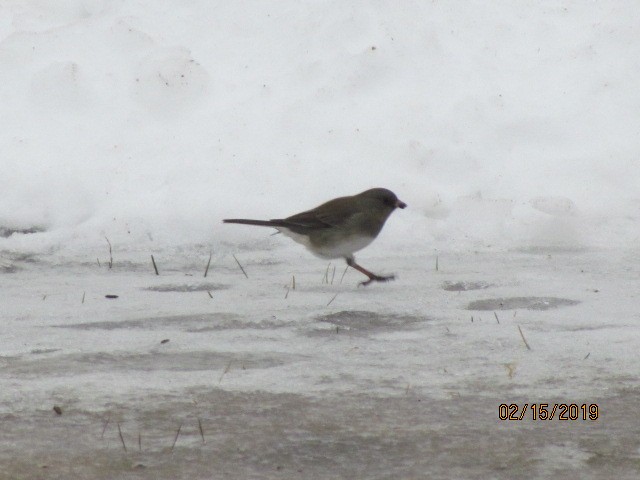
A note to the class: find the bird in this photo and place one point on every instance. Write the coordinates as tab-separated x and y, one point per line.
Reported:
339	227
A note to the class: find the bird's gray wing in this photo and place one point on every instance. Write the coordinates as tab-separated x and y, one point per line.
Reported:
303	223
334	213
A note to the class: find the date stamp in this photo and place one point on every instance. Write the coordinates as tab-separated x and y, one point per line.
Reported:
549	411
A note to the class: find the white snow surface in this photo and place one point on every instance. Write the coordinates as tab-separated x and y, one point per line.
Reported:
155	120
511	130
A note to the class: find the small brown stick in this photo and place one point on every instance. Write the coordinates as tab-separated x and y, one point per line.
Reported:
206	270
227	368
496	315
124	445
210	296
286	294
524	339
343	274
104	428
293	282
332	299
153	260
110	253
201	431
176	439
245	273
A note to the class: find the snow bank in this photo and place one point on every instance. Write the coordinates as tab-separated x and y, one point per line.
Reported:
498	124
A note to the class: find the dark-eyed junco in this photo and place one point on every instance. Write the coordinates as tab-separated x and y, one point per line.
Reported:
339	227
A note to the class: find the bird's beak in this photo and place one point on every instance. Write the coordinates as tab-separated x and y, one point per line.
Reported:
400	204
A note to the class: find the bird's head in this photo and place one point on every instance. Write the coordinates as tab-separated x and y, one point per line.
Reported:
385	197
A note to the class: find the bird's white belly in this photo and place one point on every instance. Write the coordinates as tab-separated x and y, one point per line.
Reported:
342	249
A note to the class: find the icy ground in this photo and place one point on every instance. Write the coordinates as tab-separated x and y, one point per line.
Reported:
257	379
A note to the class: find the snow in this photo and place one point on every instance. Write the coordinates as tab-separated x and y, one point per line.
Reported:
511	131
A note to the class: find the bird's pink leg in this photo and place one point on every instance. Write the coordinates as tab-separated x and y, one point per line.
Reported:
372	276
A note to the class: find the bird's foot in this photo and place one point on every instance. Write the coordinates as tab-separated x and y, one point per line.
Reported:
377	278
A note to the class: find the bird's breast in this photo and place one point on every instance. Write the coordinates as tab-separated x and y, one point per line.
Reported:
329	243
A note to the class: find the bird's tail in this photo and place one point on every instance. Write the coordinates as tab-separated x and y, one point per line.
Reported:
261	223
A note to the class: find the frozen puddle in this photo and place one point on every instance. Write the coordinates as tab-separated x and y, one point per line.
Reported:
526	303
201	287
365	322
102	362
187	323
465	286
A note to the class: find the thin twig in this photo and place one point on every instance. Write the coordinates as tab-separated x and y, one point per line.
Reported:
98	262
245	273
201	431
110	253
293	282
325	279
524	339
176	439
496	315
332	299
333	275
227	368
83	294
286	294
104	428
206	270
153	260
210	296
343	274
124	445
436	263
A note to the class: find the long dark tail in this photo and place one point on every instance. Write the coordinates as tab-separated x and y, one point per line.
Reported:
260	223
